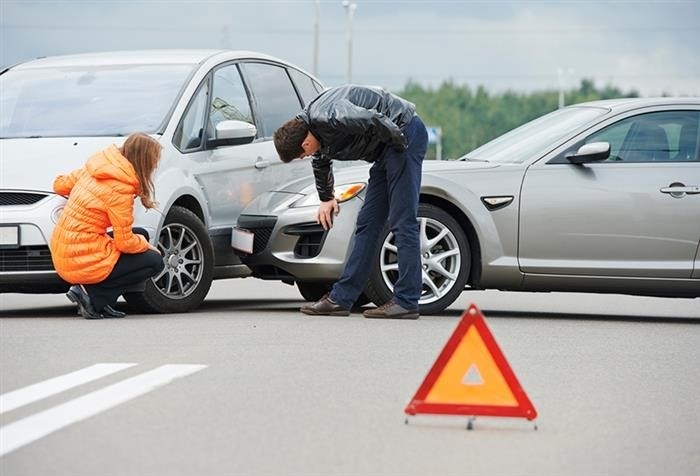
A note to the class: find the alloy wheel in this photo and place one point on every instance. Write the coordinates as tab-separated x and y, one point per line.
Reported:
184	257
440	260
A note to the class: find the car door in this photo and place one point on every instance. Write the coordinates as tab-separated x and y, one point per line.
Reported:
620	217
222	172
231	176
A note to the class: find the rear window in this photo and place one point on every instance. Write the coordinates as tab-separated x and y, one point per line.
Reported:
88	101
275	97
305	85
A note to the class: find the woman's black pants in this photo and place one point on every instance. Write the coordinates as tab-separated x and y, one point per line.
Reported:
129	269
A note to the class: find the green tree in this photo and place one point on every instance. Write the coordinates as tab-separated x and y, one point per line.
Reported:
470	118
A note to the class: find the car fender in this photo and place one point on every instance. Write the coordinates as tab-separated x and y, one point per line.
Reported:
496	231
173	185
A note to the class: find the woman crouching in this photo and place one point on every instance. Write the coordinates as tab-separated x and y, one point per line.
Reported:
104	265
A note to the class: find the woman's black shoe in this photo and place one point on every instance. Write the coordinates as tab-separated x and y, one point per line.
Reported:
77	295
109	311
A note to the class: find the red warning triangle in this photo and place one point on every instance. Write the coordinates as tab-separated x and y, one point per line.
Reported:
472	377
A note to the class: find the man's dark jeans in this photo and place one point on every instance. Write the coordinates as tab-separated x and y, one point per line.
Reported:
393	192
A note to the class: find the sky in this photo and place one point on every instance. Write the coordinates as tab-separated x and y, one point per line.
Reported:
648	46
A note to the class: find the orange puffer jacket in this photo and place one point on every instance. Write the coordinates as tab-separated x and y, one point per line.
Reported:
101	195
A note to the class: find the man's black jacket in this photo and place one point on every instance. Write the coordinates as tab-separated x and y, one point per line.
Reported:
354	123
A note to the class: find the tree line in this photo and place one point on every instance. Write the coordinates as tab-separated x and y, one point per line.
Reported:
471	117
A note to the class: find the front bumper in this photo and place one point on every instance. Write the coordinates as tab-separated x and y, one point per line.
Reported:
291	246
27	267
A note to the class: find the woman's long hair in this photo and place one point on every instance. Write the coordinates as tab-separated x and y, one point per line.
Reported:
143	152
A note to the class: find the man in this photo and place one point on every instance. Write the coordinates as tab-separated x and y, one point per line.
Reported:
359	122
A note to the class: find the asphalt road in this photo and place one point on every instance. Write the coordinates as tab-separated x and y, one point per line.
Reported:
248	385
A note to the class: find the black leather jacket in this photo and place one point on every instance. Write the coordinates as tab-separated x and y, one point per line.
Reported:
354	123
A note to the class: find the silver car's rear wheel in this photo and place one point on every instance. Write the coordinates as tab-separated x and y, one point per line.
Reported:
445	261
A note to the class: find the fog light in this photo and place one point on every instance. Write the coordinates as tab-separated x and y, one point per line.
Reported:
56	213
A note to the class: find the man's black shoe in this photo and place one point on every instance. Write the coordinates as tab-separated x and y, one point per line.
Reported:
391	310
324	307
77	295
109	312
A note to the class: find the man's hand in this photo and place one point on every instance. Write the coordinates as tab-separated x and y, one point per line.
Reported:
151	247
325	213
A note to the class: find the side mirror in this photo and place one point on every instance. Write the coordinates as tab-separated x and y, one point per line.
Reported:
593	152
233	133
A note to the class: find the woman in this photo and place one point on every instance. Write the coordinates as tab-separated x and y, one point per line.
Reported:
101	195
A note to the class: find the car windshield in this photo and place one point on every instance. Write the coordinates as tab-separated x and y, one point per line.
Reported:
88	100
537	137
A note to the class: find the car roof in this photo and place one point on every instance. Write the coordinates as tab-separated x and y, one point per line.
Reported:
131	57
624	104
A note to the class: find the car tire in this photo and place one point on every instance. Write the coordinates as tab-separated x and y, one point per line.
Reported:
314	291
189	267
448	274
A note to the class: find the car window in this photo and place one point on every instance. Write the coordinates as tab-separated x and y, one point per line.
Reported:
189	133
668	136
305	85
229	99
537	137
275	98
91	100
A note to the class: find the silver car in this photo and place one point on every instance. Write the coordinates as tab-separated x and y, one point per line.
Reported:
213	111
597	197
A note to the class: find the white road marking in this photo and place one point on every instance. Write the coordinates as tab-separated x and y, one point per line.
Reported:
38	391
24	431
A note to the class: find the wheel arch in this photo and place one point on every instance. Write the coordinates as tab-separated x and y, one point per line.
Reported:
192	204
463	220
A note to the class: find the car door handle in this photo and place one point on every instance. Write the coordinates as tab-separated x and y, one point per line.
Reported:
680	190
261	163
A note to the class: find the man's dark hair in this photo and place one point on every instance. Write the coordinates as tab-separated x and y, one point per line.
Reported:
289	137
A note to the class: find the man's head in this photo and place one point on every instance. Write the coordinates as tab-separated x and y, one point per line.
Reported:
293	140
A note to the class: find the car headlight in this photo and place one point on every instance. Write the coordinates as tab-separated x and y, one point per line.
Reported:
342	193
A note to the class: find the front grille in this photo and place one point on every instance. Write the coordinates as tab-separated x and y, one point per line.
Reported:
26	258
311	238
262	236
20	198
260	226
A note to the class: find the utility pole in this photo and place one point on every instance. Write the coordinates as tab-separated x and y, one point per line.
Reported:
350	10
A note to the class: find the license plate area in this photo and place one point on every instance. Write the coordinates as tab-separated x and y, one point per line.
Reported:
9	236
242	240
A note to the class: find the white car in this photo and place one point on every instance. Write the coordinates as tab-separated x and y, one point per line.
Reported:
213	112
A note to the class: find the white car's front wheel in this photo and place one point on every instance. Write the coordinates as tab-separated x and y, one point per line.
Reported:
189	264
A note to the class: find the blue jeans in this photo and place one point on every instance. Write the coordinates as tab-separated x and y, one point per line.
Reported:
392	192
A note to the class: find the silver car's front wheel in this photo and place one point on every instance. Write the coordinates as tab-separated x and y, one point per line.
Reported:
445	262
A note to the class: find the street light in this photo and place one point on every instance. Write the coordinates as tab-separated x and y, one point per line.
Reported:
350	10
316	22
563	76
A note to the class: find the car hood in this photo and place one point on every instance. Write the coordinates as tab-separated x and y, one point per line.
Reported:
360	173
446	165
33	164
